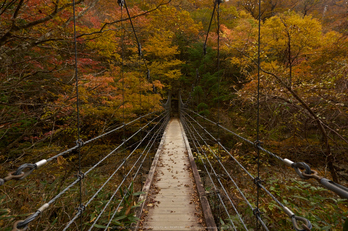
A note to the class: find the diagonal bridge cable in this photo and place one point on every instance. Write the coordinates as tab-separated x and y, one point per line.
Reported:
221	164
163	126
24	223
118	168
195	140
216	176
295	219
26	169
308	173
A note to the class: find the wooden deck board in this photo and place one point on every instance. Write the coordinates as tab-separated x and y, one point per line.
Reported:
172	202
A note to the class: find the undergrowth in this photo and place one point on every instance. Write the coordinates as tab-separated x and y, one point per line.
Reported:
19	199
306	198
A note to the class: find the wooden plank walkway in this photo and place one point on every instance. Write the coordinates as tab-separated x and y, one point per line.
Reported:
172	201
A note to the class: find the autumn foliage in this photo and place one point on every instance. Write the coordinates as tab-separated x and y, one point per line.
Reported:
304	83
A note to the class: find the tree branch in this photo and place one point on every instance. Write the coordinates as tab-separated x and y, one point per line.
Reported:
319	122
14	28
101	30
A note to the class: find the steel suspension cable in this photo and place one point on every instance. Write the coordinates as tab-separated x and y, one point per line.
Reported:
118	168
109	201
134	134
216	176
122	126
219	79
24	223
240	137
216	2
135	35
206	38
295	219
257	210
218	64
77	112
242	167
141	164
297	166
121	3
20	173
235	184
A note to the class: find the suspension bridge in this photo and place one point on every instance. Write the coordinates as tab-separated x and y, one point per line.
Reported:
173	195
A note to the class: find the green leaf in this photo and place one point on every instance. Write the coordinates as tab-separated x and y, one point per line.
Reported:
133	219
138	193
119	218
100	226
300	197
55	220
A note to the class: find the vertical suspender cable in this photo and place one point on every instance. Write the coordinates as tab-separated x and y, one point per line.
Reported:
206	38
258	118
139	47
78	113
140	87
121	4
218	75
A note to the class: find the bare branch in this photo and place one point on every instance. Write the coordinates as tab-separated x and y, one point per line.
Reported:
101	30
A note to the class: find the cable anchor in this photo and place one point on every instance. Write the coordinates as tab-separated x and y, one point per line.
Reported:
258	144
19	174
80	209
258	181
80	175
295	219
79	143
308	173
23	224
18	229
302	165
305	227
330	185
257	212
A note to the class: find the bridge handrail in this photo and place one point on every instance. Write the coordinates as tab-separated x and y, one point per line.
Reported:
20	174
256	180
195	140
23	223
163	126
302	169
120	184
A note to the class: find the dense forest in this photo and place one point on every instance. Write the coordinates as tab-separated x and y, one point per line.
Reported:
126	70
